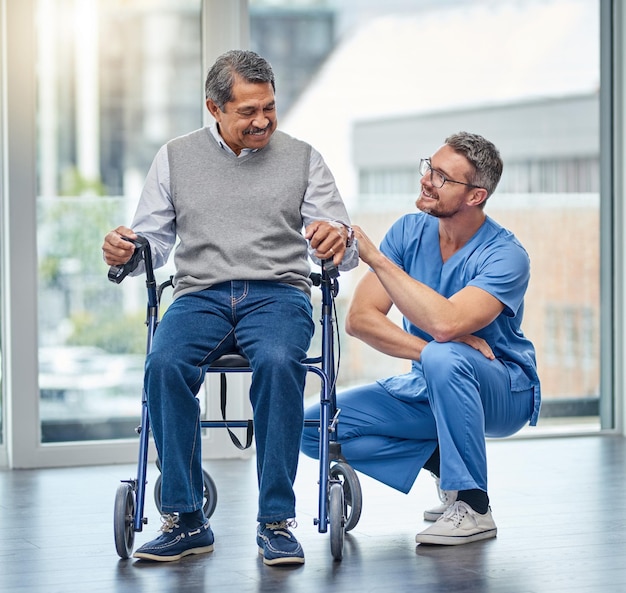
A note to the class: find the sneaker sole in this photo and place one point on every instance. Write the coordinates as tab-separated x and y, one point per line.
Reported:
285	560
454	540
432	517
156	558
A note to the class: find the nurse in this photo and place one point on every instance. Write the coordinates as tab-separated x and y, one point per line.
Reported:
459	280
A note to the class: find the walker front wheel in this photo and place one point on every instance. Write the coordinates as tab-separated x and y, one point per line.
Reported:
352	495
336	518
123	520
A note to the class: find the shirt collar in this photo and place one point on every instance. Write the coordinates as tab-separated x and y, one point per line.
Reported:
213	128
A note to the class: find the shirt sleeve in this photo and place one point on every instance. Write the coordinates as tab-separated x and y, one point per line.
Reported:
391	244
322	201
155	217
505	274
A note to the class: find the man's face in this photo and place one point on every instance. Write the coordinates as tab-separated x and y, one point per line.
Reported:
451	198
249	120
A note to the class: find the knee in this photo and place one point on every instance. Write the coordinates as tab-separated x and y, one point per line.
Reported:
277	357
441	357
158	361
162	363
443	362
154	363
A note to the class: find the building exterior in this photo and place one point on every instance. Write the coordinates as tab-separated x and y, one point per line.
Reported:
548	196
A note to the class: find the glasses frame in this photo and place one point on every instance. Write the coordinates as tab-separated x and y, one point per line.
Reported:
427	166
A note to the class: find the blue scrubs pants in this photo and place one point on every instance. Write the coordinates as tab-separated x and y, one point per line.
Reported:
390	436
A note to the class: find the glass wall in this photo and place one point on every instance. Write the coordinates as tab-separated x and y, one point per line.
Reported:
396	78
374	89
115	80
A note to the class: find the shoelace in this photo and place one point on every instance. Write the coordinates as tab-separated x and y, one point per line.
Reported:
169	523
280	525
456	512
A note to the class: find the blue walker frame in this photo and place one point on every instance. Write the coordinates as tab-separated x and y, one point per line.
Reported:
340	498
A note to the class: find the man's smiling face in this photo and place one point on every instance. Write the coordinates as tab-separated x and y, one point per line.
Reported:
249	120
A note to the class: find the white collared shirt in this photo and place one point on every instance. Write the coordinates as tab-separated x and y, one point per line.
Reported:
155	215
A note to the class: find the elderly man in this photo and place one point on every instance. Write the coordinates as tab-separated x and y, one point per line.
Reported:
237	195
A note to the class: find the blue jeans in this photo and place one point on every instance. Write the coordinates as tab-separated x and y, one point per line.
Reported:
272	325
459	398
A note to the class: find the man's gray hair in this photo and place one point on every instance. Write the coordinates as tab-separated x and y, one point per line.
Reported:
483	155
237	62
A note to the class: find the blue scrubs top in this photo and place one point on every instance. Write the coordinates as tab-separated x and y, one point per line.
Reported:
493	260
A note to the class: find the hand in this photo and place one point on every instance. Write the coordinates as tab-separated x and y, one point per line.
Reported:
368	252
478	344
115	250
328	239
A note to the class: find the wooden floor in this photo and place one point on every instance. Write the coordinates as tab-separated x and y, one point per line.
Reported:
558	502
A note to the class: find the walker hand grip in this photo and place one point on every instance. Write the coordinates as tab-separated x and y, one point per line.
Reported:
118	273
330	268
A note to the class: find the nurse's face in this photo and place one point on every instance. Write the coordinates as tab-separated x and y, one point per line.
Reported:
445	189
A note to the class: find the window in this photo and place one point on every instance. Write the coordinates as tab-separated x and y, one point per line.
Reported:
548	176
394	86
102	113
116	80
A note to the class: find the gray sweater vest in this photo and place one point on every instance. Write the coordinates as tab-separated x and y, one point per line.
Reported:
238	218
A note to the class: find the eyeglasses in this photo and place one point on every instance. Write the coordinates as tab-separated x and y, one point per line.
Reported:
437	178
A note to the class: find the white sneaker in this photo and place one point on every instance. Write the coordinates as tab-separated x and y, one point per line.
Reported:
459	524
447	497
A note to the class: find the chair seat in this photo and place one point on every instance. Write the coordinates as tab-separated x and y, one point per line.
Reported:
230	361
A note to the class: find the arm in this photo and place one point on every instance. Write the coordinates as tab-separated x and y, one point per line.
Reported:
367	320
325	217
446	319
155	219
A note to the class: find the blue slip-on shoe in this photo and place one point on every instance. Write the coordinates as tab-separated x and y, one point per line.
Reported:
278	545
177	540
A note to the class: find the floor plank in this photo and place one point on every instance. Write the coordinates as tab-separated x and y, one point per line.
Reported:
558	504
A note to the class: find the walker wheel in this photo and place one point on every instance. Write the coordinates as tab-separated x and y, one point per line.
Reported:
336	518
352	495
210	494
123	520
